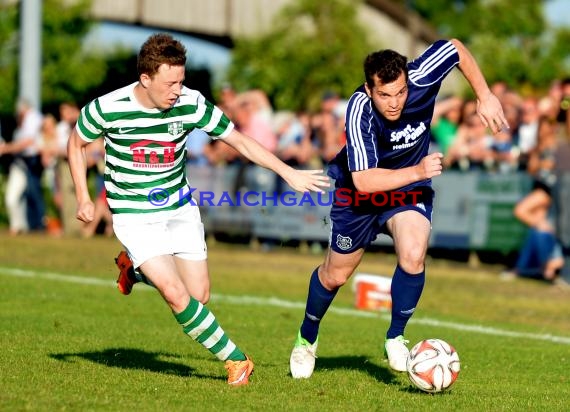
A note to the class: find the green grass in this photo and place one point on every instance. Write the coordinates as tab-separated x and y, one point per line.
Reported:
70	346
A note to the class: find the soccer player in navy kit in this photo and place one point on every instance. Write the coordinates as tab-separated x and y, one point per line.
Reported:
388	136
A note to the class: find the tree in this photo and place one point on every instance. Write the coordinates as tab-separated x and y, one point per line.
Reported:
8	59
68	70
510	38
314	46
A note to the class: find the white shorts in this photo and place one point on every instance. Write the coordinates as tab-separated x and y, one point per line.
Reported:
179	233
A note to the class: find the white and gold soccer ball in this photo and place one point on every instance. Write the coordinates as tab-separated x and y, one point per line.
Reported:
433	365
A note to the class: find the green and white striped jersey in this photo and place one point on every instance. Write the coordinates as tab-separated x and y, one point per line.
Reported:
145	149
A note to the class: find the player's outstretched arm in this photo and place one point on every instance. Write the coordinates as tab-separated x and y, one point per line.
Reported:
300	180
488	106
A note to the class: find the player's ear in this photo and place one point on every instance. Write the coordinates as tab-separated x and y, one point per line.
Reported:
145	80
368	91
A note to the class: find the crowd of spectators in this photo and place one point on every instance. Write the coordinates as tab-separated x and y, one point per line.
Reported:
39	191
313	138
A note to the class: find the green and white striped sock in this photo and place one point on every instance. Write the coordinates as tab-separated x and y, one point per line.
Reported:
201	325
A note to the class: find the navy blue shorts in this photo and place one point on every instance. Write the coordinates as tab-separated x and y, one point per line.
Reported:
353	228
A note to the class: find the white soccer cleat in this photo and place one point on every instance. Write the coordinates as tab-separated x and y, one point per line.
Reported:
302	362
397	353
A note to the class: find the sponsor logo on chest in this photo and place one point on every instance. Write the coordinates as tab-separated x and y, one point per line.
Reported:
151	154
407	137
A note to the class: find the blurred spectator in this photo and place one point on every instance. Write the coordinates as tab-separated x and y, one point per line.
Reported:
541	162
2	141
472	148
24	197
549	105
49	150
445	122
528	129
506	154
251	112
294	145
564	105
252	117
259	102
294	138
328	125
499	89
541	255
512	109
196	145
218	153
68	115
227	100
562	199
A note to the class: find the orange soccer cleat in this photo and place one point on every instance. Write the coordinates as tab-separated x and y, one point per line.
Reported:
239	371
127	277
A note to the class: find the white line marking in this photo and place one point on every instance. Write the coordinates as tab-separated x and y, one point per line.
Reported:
281	303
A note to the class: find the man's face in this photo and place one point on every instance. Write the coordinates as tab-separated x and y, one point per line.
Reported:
389	98
163	89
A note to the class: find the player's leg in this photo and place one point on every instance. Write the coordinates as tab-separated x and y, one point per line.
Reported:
351	232
157	261
190	251
187	242
194	274
410	231
324	283
196	320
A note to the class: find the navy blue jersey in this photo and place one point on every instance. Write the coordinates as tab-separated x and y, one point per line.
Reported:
372	141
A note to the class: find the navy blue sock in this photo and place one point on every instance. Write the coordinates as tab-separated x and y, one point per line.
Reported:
406	292
318	302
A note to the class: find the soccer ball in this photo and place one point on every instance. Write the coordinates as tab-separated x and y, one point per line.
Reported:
433	365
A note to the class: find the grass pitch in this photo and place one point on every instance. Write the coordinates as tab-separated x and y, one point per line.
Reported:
71	342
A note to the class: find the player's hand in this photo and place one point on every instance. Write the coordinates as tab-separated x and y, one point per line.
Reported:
85	211
308	180
491	113
430	166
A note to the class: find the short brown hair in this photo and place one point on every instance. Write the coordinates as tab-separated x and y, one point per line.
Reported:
160	48
386	64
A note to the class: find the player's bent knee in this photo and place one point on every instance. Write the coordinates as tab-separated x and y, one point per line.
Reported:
203	297
332	280
176	297
412	262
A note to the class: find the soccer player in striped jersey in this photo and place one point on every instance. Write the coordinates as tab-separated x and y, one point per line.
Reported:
145	126
388	136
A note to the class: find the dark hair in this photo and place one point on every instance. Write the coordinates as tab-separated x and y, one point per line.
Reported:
160	49
386	64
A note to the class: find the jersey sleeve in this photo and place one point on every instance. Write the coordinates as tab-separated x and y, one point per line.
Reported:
360	134
433	64
90	124
214	121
